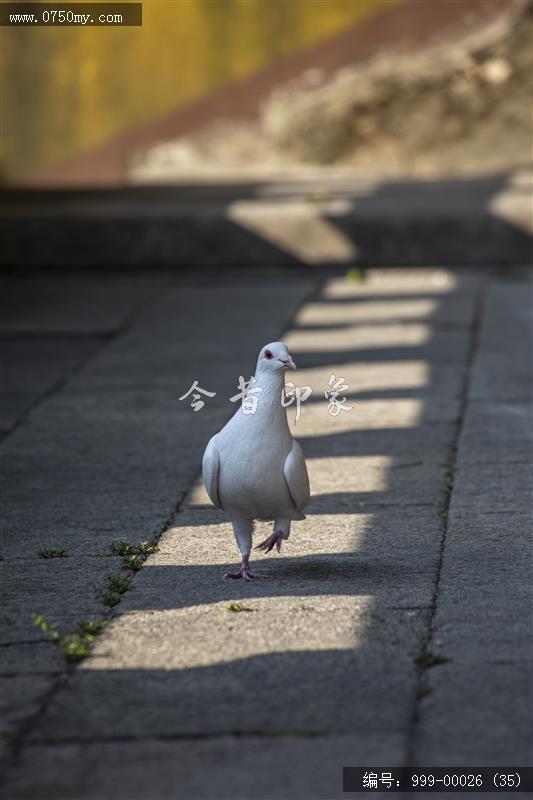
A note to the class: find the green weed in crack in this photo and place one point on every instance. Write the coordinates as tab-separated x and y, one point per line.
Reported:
427	659
49	552
76	645
355	275
237	608
133	555
133	563
146	548
124	548
115	587
449	471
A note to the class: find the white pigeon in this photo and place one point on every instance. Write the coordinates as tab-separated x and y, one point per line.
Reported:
253	468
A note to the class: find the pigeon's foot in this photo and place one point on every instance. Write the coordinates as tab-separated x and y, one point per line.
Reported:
274	540
244	572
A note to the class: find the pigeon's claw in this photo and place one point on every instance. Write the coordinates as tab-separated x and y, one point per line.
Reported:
244	572
274	540
233	575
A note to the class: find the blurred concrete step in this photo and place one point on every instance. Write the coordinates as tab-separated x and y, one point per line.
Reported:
332	217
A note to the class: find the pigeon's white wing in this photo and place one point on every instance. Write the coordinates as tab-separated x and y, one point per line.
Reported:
296	476
210	468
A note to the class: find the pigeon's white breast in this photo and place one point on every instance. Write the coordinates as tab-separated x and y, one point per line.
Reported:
251	480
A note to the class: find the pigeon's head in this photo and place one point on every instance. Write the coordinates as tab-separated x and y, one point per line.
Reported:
274	357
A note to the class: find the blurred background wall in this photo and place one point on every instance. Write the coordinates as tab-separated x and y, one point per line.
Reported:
68	89
86	105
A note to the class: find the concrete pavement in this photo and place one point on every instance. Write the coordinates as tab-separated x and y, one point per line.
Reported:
414	550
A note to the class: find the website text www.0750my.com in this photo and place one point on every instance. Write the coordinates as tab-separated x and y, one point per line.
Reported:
68	14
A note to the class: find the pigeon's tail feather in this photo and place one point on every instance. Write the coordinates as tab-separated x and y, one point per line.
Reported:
299	516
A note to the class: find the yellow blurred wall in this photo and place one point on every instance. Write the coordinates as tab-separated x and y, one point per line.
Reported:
66	89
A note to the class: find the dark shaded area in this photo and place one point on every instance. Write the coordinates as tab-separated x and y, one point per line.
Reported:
398	223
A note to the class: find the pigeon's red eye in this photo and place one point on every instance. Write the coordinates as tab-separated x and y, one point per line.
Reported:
268	354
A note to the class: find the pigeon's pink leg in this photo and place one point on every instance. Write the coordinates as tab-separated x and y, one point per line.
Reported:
244	572
274	540
242	530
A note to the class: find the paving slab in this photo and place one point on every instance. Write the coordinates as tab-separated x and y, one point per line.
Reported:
500	432
259	768
492	698
31	657
74	305
49	327
30	370
492	486
502	372
479	709
20	698
64	590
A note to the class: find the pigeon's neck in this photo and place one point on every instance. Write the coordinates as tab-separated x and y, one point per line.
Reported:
269	398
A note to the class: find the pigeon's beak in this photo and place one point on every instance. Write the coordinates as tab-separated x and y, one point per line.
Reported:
288	362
